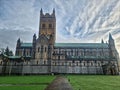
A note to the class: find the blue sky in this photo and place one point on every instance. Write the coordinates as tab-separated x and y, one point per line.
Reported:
77	20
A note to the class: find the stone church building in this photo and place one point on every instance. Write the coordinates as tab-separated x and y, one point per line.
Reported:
45	56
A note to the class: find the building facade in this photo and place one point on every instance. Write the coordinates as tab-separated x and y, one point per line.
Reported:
47	56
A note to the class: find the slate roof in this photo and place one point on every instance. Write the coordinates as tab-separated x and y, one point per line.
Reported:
14	57
19	57
26	44
82	45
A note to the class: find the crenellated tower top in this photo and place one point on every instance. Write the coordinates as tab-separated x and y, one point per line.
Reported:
47	15
47	25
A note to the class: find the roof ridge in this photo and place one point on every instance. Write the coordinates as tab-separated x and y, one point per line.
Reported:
94	45
26	42
80	43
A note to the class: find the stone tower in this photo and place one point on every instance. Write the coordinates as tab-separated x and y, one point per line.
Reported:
18	47
111	46
46	36
47	25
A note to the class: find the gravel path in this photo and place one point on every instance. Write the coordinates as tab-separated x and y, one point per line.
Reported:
60	83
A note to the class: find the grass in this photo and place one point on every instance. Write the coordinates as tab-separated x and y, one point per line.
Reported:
41	79
26	79
96	82
78	82
41	87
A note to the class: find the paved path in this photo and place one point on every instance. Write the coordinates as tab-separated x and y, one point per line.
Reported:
60	83
24	84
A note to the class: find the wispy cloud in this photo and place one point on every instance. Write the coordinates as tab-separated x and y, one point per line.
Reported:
77	20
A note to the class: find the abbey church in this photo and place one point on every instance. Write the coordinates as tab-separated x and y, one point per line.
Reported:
44	56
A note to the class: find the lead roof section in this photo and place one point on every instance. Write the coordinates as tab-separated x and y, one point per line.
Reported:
82	45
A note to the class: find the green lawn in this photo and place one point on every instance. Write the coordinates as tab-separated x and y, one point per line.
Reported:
41	87
79	82
95	82
41	79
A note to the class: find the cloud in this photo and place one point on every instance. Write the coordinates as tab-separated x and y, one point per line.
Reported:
77	20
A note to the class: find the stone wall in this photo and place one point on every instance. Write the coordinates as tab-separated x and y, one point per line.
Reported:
31	67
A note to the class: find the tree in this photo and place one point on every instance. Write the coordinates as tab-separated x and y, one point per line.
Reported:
8	52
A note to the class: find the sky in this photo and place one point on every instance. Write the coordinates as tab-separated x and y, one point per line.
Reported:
78	21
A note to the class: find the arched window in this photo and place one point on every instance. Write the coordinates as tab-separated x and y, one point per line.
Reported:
43	25
44	62
91	63
38	49
45	49
84	63
50	25
41	49
37	62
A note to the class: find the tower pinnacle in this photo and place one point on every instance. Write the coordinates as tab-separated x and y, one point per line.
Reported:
41	12
110	36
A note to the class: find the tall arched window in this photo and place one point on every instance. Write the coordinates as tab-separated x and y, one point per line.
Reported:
45	49
43	25
41	48
38	49
91	63
50	25
84	63
37	62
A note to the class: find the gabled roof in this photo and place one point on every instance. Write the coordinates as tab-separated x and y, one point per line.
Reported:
82	45
26	44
